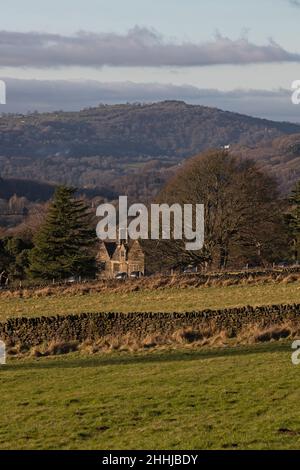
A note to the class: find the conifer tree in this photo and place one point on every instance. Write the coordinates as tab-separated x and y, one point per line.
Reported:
63	244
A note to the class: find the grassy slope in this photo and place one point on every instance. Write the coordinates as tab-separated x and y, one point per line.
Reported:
170	299
242	398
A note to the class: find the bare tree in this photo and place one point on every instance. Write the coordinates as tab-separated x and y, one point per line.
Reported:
241	204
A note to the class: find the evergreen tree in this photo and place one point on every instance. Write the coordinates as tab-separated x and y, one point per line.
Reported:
17	251
5	258
293	220
63	244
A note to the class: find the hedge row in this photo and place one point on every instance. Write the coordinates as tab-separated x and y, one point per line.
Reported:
35	331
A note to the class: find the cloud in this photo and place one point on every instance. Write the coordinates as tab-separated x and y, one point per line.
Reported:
139	47
41	95
294	3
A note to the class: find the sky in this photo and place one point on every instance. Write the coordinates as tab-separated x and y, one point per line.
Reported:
238	55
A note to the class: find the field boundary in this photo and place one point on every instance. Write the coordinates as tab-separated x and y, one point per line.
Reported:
34	331
155	282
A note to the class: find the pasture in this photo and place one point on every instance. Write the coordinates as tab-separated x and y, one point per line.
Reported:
241	398
171	299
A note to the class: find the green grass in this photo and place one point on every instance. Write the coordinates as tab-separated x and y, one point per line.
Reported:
243	398
170	299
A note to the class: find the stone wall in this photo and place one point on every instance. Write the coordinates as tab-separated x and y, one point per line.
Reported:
35	331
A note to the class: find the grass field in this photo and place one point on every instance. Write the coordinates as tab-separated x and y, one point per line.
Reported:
243	398
228	398
170	299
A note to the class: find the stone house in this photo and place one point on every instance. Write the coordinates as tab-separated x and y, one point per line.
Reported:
120	256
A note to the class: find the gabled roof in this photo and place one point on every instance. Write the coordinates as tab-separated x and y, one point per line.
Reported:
110	248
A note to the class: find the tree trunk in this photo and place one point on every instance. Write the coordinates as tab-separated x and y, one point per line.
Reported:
223	257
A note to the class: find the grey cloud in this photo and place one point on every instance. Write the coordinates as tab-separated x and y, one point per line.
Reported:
294	3
139	47
30	95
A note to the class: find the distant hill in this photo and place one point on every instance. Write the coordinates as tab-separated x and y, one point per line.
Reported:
31	190
281	158
135	147
35	191
161	129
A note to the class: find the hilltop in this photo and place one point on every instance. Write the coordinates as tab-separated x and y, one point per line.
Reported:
165	128
117	145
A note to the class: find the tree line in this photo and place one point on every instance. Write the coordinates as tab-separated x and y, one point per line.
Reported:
246	222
